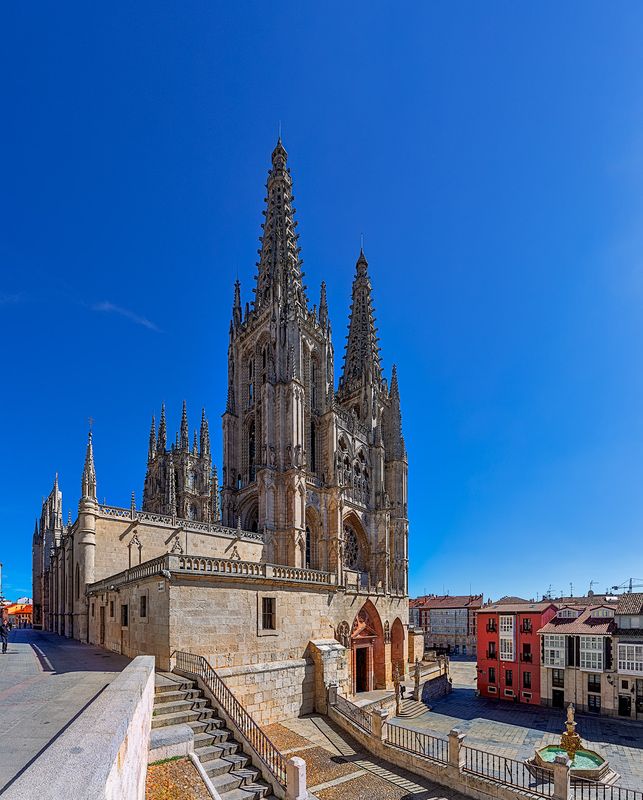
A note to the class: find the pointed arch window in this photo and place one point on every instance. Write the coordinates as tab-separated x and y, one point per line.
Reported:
351	548
251	375
251	452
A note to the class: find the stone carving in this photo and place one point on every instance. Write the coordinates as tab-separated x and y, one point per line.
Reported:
177	547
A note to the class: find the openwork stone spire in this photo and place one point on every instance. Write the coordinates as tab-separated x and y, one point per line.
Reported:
151	451
205	434
362	355
89	472
162	440
185	431
279	276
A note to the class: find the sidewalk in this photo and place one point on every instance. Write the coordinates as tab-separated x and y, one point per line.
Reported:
45	682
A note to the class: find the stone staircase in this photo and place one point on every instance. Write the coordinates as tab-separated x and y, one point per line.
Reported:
179	700
411	708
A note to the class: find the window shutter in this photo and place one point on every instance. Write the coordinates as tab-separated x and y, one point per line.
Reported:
608	652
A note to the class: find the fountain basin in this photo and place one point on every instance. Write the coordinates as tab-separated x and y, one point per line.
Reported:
586	764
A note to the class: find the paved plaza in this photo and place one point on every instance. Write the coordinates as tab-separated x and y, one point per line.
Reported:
515	731
337	767
45	682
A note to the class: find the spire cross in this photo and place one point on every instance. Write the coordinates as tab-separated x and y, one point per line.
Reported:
361	241
91	421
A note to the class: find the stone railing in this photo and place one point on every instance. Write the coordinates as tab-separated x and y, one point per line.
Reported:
449	762
170	563
177	522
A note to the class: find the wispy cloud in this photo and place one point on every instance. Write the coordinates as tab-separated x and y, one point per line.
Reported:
110	308
9	299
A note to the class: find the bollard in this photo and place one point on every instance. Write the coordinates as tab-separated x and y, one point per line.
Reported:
456	756
561	777
379	717
296	779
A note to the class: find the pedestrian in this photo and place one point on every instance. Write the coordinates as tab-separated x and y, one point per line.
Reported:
4	636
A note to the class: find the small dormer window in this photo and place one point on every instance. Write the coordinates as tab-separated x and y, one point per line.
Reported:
567	613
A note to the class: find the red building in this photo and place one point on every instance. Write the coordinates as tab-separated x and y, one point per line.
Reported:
509	649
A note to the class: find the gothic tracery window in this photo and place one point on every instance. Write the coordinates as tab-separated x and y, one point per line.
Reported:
351	548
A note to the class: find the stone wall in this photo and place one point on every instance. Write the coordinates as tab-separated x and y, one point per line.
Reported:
103	753
274	691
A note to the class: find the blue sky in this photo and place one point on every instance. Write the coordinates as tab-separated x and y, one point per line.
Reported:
492	155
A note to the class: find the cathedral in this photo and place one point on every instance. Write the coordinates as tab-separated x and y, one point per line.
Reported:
294	568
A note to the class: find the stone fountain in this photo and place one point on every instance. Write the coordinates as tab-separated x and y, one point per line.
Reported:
585	764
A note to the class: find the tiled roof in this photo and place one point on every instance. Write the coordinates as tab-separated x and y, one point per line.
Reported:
631	603
512	599
515	608
586	624
449	601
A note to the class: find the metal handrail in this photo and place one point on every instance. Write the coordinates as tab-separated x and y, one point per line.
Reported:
255	737
526	777
362	718
590	790
422	744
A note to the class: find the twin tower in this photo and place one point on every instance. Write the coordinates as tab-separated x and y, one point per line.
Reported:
322	473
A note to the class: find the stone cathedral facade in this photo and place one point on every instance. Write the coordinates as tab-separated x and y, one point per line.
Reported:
295	567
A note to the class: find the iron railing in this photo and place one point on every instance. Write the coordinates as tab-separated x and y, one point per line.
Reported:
422	744
590	790
241	719
528	778
362	718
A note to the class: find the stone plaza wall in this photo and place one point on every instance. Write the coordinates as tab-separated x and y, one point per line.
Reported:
103	753
273	691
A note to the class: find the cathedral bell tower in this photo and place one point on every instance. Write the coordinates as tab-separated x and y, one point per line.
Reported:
280	383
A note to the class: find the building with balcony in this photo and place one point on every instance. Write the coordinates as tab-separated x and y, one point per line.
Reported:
578	658
509	664
628	646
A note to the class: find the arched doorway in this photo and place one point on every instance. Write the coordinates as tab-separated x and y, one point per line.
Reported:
367	650
397	646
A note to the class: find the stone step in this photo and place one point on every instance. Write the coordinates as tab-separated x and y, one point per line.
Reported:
177	694
171	683
160	720
413	708
233	780
206	744
229	763
251	791
180	705
208	725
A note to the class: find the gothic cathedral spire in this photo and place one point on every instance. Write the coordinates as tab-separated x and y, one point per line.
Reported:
162	442
362	356
185	431
89	472
279	276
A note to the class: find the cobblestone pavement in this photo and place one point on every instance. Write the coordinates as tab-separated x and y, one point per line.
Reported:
45	682
515	731
337	767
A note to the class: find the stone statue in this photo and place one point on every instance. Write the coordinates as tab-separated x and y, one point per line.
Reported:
416	678
570	713
398	690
